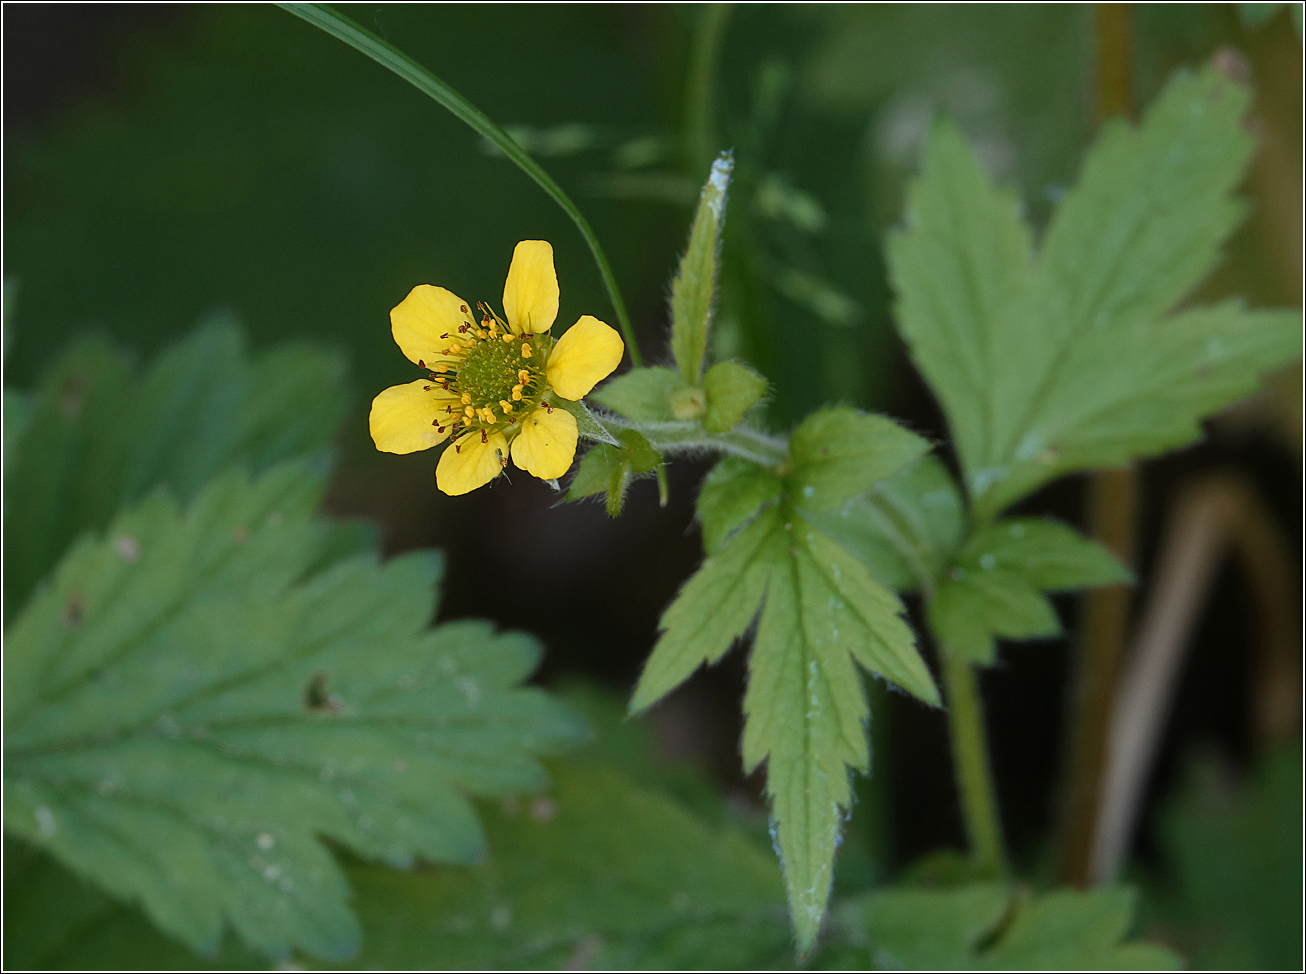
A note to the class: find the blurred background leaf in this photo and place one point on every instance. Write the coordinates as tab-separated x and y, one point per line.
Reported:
603	868
1229	889
97	436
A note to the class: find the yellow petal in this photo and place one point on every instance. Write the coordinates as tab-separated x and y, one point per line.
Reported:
584	356
407	418
467	463
530	296
546	444
425	323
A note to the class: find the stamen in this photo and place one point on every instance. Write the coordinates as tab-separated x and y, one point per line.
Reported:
426	388
524	377
507	338
506	405
526	350
467	398
462	308
484	437
421	364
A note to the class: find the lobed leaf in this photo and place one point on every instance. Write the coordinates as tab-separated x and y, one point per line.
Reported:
693	289
188	710
596	872
994	587
906	529
100	436
982	927
805	710
837	454
733	493
1066	361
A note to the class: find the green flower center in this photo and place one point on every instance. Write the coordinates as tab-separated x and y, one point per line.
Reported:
504	377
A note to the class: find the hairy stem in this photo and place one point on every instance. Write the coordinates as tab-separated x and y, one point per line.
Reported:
970	757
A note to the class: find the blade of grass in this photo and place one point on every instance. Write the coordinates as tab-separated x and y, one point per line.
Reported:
363	40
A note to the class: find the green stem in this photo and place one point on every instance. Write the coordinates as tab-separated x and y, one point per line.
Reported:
698	86
689	436
970	756
361	39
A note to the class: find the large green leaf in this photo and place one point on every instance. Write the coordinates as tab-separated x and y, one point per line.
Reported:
187	709
822	614
1066	361
983	927
693	290
596	872
994	587
99	436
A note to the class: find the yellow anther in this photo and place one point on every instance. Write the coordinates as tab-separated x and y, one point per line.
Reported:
507	338
526	350
467	398
516	393
487	414
506	405
469	412
494	330
523	376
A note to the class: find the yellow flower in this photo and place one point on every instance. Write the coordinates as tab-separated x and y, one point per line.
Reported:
490	378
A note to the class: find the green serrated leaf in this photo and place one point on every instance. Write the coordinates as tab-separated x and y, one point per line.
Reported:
979	927
596	872
1065	362
1051	556
805	707
713	609
731	390
906	529
734	491
969	610
993	588
1076	930
100	438
837	454
923	929
643	395
693	290
186	711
